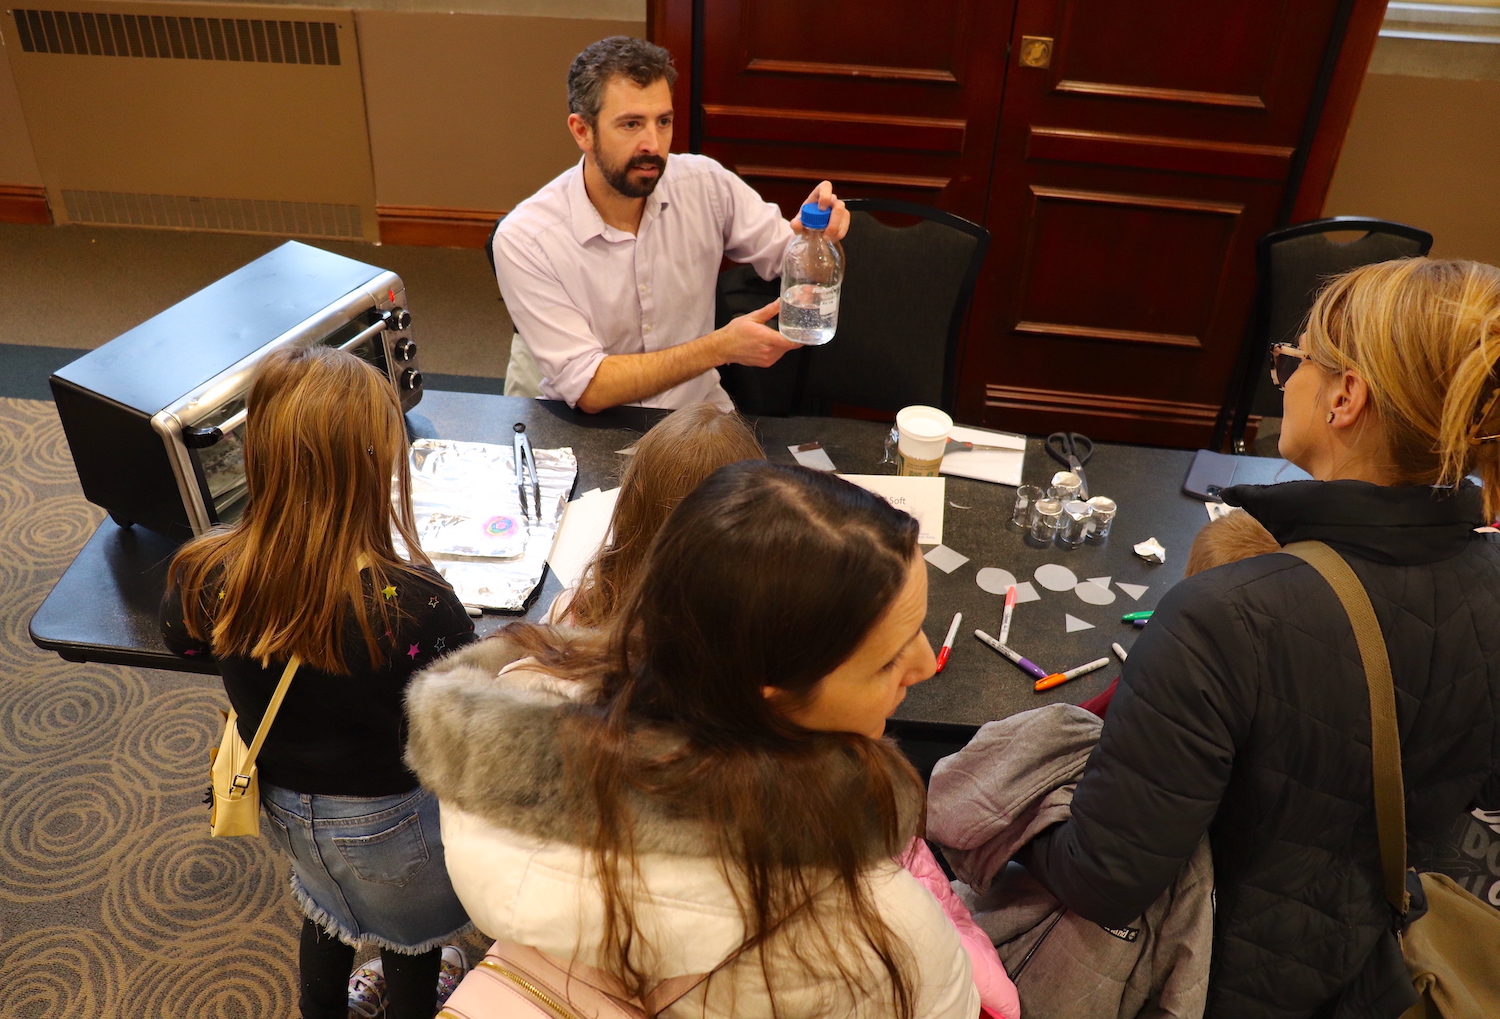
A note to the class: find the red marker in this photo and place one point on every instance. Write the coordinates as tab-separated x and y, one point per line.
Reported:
1010	606
942	657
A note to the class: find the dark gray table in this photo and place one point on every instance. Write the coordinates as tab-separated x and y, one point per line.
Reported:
104	608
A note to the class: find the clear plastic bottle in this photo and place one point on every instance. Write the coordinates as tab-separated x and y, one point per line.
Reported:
812	272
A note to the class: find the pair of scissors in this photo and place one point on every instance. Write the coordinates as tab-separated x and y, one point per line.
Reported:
525	463
1072	450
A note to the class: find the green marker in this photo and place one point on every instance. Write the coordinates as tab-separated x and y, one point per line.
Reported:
1131	617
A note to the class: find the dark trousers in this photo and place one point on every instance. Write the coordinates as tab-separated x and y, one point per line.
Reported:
325	963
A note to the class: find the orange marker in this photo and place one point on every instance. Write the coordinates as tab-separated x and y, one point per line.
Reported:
1059	678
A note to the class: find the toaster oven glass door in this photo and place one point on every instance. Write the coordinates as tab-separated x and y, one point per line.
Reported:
222	465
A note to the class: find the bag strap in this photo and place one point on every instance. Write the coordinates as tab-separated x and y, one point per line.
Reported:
241	780
1385	738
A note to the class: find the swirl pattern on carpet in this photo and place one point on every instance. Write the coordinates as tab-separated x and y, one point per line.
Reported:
114	901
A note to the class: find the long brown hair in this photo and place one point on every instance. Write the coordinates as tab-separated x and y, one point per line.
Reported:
670	461
764	576
323	439
1424	334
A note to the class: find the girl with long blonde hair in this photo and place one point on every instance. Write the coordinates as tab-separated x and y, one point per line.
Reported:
311	570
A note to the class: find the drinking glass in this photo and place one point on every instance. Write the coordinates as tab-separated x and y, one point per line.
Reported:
1074	523
1104	517
1046	514
1026	495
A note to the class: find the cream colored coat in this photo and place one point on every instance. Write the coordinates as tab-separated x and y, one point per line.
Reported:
480	729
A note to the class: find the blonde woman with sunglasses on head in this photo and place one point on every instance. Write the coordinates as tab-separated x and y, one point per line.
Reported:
1243	711
311	570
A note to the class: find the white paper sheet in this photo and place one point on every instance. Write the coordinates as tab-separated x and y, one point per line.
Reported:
923	498
1000	466
945	559
585	525
812	454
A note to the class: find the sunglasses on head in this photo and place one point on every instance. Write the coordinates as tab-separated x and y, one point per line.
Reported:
1285	359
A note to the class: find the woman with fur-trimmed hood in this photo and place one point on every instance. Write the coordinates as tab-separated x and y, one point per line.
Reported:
708	773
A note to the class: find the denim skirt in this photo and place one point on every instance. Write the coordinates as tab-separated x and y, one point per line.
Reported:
368	869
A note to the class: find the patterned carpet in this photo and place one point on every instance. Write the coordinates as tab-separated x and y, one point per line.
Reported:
114	901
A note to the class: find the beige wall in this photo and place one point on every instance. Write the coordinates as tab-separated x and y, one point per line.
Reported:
469	111
1425	150
17	164
465	111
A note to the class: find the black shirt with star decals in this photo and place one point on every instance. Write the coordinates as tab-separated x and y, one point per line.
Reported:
341	735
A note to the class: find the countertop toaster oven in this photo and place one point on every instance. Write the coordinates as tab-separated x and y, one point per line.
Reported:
154	417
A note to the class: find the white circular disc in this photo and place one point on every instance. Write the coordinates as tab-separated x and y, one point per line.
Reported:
1056	578
994	580
1094	594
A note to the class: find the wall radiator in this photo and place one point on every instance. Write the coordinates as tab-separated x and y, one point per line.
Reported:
248	119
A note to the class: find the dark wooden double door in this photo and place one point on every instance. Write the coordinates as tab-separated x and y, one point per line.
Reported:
1124	155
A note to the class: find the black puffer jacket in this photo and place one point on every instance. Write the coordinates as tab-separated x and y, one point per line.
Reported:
1243	712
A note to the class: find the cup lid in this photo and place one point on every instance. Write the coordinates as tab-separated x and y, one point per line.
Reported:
924	422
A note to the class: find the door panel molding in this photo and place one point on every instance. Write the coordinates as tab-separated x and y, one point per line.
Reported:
1159	152
816	68
869	130
1141	201
1111	335
1075	404
894	180
1160	95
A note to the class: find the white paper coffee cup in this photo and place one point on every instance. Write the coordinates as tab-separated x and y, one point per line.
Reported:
922	435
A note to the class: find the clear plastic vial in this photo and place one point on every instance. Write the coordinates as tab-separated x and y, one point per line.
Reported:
812	273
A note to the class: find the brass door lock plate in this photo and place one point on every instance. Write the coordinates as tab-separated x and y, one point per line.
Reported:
1036	51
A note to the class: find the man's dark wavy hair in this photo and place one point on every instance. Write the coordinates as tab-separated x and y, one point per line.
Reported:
619	56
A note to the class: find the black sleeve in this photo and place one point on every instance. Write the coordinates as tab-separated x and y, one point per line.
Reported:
174	630
1153	784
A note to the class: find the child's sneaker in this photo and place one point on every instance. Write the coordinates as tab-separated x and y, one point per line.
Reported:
455	964
367	990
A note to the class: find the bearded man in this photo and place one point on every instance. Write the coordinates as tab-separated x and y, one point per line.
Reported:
608	271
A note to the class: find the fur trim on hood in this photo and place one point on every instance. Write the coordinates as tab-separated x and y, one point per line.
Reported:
491	744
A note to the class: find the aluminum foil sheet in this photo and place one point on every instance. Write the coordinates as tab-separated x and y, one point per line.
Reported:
470	520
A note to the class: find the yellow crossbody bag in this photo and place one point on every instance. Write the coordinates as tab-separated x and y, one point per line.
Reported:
236	790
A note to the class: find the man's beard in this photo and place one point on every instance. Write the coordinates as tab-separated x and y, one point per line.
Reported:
618	177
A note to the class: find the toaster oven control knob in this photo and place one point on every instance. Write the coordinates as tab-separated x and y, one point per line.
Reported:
411	379
405	349
397	319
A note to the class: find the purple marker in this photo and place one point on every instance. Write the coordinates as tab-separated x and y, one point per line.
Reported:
1138	623
1028	667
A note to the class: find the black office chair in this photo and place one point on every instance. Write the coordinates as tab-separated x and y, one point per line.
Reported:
489	244
1291	266
906	292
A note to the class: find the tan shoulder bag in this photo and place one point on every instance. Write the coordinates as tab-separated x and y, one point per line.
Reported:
1452	950
231	766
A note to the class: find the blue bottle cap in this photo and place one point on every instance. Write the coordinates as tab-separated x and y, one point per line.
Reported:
814	216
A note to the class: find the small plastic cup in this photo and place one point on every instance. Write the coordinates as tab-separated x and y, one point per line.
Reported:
1065	486
1025	496
1074	523
1046	515
1103	519
923	435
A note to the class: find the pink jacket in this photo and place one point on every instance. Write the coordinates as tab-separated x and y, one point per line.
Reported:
997	995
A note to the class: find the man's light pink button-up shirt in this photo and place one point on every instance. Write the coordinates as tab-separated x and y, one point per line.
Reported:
579	290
